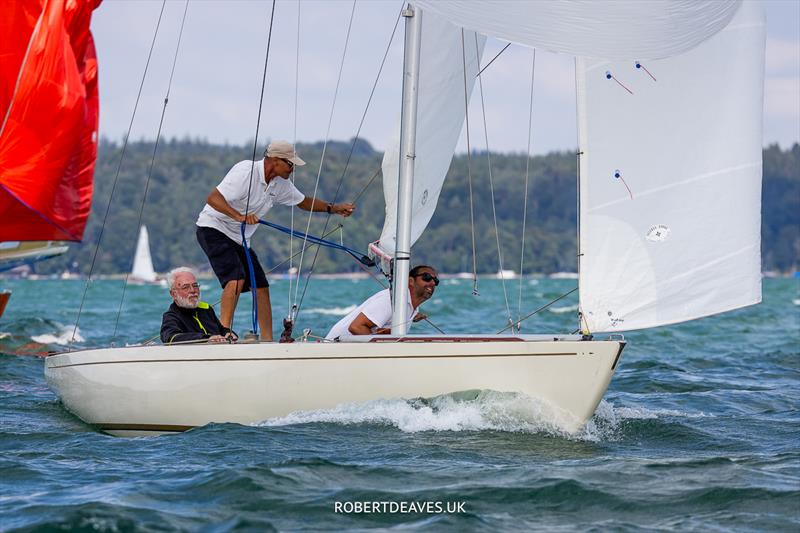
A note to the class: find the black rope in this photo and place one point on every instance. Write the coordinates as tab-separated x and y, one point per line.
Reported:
116	179
260	106
364	189
254	310
518	322
492	61
152	160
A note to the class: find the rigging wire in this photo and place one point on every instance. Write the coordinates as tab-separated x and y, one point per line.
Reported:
116	178
469	172
545	306
253	165
365	187
322	157
491	190
525	201
352	148
153	159
294	143
492	61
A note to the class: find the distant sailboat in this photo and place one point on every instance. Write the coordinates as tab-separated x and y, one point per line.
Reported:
143	271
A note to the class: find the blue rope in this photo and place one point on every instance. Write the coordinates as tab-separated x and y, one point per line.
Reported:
364	260
361	258
252	280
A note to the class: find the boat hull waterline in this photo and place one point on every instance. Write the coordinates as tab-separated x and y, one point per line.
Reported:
147	390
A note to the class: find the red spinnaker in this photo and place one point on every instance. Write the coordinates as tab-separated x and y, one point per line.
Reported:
48	118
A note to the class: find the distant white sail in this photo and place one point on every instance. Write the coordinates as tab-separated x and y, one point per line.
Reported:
142	262
440	118
671	181
618	29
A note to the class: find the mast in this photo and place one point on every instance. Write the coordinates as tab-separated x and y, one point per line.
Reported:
405	186
581	157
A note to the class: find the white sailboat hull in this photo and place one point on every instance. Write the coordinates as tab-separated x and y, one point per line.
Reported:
145	390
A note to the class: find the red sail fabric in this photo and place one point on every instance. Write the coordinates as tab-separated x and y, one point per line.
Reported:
48	118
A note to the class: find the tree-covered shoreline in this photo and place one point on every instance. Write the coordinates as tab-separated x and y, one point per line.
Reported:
186	170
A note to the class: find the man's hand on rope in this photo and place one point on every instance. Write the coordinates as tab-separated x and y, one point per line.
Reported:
343	209
250	218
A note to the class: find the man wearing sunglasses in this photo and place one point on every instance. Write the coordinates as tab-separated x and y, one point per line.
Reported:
246	194
374	316
189	319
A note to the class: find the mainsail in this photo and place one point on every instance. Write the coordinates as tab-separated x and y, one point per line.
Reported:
49	114
680	237
669	95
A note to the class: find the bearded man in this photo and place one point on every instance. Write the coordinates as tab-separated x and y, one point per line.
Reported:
189	319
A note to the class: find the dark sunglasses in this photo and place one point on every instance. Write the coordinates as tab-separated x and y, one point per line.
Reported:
427	277
291	165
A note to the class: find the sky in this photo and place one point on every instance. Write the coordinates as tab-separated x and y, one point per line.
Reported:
216	84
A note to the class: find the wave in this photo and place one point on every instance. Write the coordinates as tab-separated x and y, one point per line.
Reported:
61	337
565	309
483	410
336	311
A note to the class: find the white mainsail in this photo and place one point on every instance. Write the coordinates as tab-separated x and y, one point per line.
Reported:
679	238
671	165
616	29
142	262
440	117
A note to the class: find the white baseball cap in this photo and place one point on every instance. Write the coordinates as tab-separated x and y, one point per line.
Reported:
284	150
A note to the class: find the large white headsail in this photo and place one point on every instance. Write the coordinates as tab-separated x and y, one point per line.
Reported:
612	29
671	181
440	118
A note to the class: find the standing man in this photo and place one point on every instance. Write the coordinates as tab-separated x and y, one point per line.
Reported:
246	194
374	316
189	319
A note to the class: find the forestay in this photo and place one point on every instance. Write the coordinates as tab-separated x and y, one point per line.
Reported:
677	235
440	117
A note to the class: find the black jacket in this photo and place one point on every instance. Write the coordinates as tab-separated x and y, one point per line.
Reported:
180	324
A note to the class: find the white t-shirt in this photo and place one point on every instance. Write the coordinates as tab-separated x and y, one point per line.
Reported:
234	188
377	308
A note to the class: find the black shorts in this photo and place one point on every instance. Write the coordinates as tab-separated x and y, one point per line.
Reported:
228	258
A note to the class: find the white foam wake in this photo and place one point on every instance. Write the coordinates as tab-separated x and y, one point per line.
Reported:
485	410
63	336
477	411
337	311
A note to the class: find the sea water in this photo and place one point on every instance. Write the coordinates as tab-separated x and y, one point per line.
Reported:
699	429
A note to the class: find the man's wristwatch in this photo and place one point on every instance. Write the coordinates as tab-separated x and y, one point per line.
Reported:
328	208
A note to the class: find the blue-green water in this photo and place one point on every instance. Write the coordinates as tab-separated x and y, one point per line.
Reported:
698	431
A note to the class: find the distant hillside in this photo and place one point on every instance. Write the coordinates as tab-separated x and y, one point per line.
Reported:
185	171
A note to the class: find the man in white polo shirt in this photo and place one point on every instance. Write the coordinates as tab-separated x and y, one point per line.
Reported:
246	194
374	316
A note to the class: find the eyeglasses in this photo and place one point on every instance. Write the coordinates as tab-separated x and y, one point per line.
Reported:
291	165
427	278
187	286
